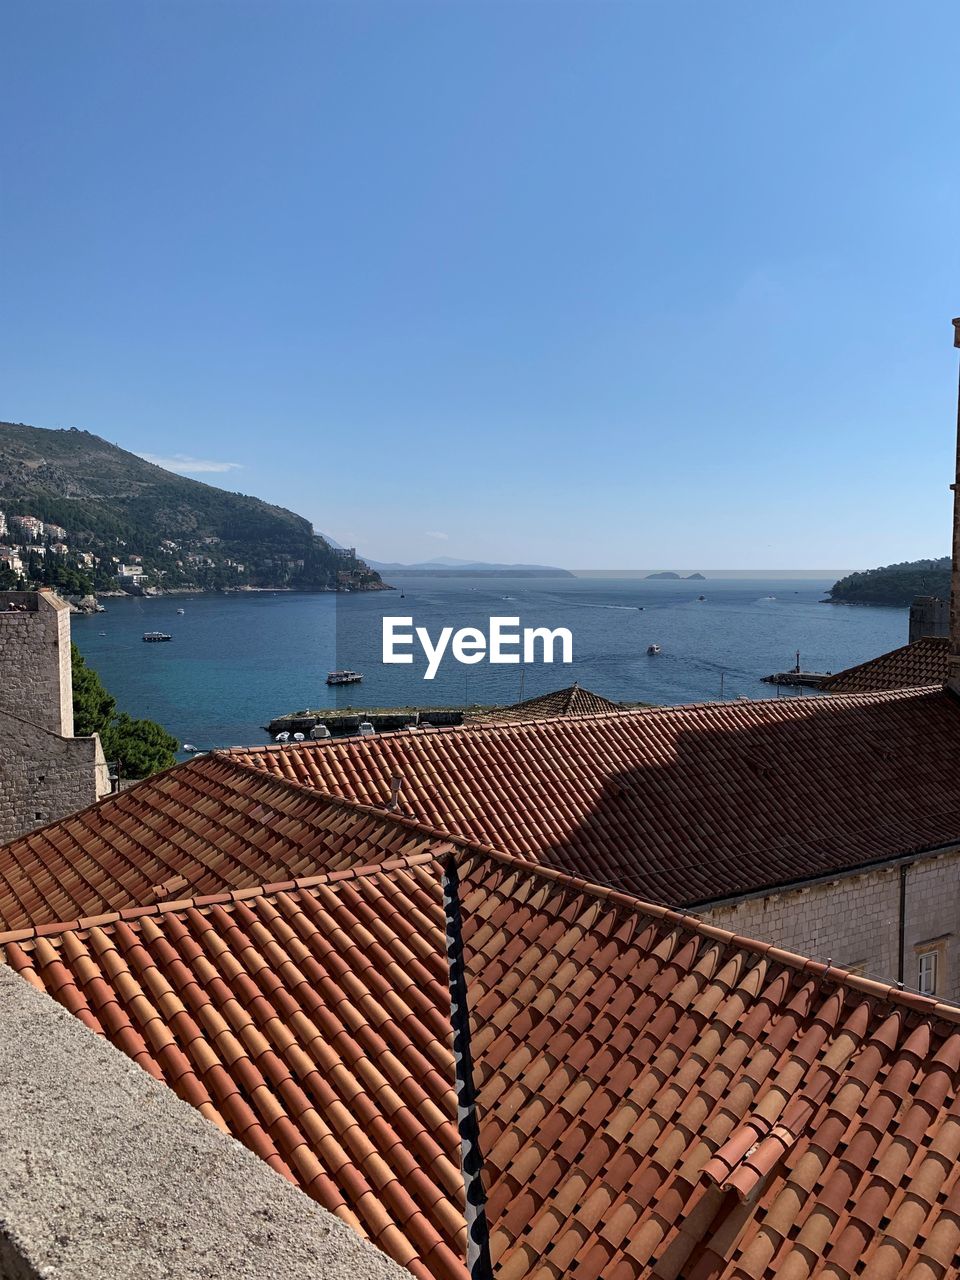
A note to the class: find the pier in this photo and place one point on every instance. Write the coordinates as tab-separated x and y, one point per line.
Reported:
342	721
797	676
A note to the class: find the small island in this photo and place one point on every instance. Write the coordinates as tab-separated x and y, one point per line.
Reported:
677	577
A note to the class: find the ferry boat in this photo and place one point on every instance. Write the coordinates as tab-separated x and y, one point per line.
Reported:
344	677
152	637
653	648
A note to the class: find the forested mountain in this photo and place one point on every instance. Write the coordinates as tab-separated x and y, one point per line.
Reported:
116	508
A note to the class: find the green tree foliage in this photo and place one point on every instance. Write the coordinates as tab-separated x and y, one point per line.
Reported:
93	707
140	747
895	584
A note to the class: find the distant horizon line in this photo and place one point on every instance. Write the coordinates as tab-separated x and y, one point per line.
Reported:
715	573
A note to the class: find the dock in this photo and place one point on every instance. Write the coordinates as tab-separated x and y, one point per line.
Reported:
809	679
342	721
796	676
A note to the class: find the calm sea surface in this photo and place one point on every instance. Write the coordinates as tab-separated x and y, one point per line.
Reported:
237	661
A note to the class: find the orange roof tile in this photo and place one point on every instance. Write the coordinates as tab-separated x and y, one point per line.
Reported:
656	1097
684	805
201	827
913	666
311	1023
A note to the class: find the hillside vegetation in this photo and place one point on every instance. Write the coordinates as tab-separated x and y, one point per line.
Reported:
115	506
894	584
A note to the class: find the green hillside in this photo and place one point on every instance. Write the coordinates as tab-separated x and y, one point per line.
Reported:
115	506
894	584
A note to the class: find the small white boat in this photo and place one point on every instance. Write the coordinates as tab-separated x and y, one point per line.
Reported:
366	729
344	677
319	732
180	611
152	637
283	736
298	737
188	746
653	648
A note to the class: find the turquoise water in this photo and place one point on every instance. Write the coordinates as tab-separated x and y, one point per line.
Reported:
237	661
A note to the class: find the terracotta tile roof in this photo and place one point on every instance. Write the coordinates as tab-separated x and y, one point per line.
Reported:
683	805
572	701
201	827
665	1100
656	1098
913	666
312	1023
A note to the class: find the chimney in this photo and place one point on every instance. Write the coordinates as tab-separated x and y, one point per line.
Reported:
395	786
953	663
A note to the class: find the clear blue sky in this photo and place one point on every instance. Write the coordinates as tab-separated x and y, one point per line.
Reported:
596	284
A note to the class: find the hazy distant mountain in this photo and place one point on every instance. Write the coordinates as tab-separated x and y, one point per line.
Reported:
669	573
450	567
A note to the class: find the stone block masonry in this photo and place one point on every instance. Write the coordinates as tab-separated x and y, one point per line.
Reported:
854	920
35	679
45	772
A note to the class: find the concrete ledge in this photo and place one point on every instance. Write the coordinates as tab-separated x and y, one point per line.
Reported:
106	1175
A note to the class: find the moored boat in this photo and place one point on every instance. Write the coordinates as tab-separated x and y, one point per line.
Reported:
344	677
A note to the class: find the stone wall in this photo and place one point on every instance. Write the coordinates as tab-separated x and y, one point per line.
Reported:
854	920
35	679
45	772
107	1175
44	777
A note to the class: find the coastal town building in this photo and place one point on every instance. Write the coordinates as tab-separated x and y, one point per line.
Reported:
45	772
29	527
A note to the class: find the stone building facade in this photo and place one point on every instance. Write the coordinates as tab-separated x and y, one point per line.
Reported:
897	922
45	772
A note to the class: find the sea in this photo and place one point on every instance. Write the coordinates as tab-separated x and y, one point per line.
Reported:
237	661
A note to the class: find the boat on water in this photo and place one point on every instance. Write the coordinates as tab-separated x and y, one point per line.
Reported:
181	611
284	736
344	677
701	597
653	648
188	746
319	732
365	729
152	637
